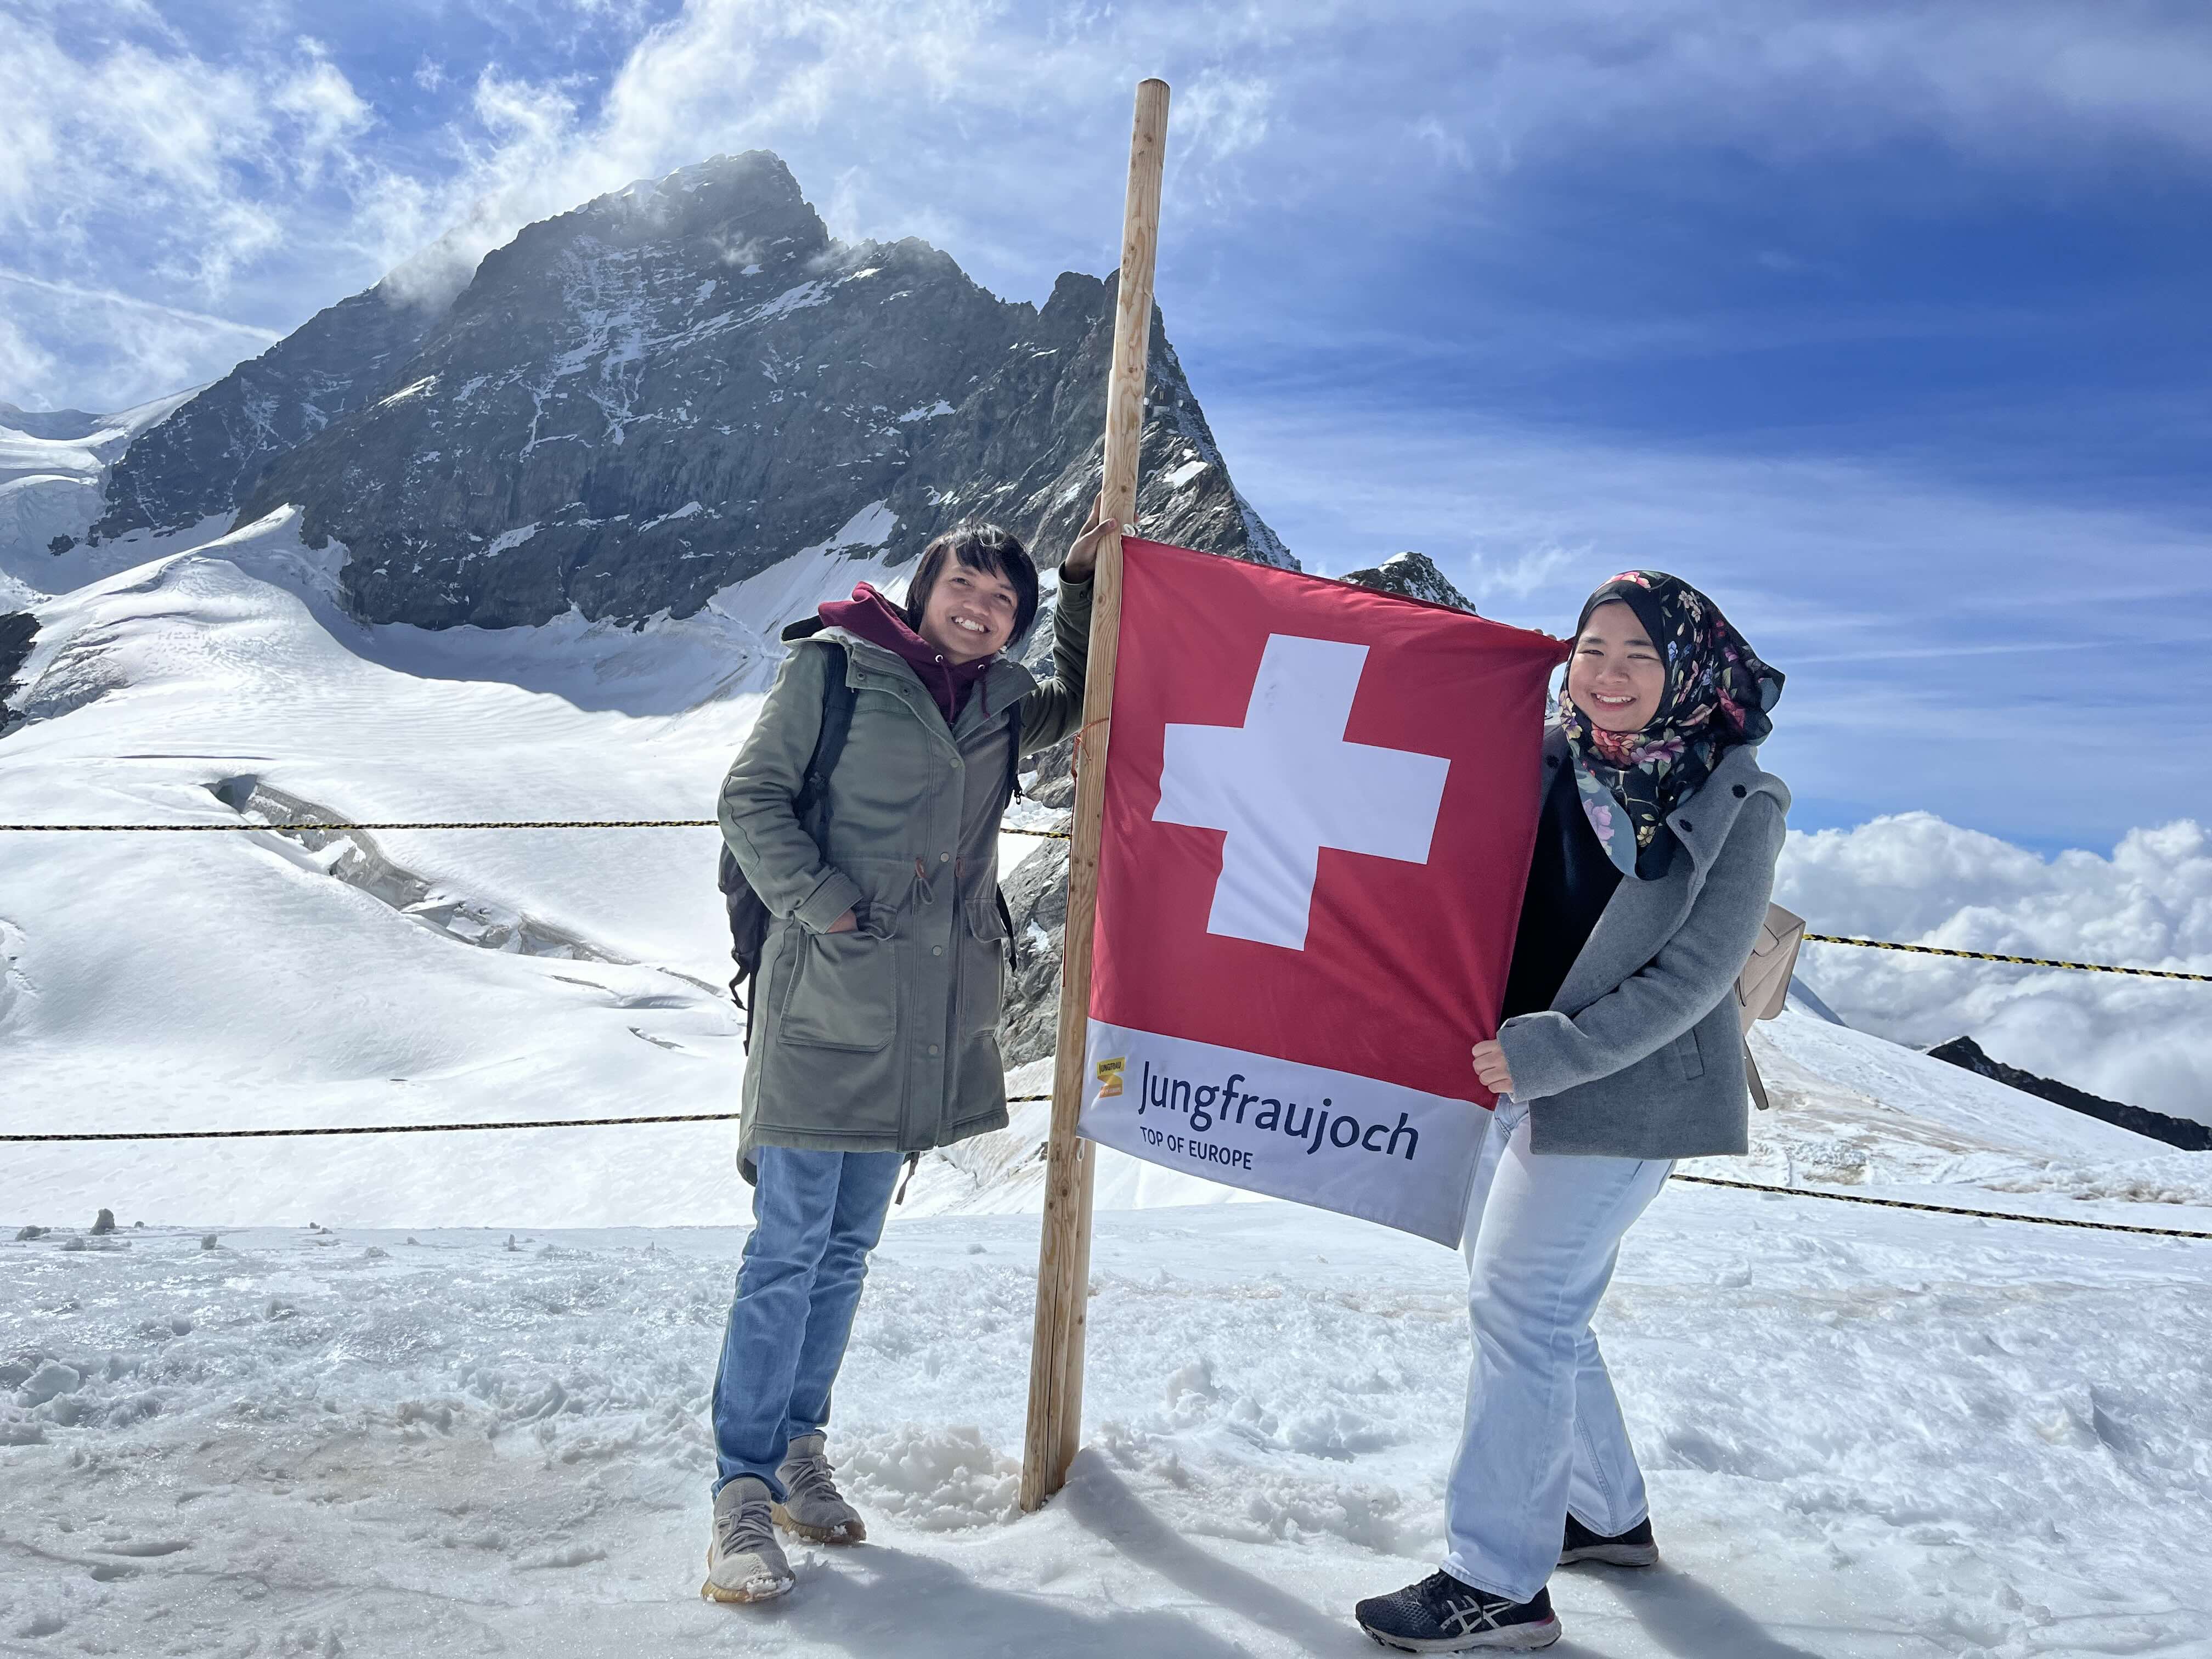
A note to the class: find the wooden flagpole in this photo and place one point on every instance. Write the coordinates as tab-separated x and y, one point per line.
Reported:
1055	1422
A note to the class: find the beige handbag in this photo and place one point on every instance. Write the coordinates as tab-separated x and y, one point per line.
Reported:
1763	987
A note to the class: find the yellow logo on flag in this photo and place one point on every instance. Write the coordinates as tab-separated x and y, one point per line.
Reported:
1109	1078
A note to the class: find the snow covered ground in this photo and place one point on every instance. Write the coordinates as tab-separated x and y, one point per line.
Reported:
1870	1433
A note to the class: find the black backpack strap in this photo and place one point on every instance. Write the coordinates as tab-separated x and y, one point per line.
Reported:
828	744
837	700
749	920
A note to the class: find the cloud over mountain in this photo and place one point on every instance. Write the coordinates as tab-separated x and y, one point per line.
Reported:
1914	877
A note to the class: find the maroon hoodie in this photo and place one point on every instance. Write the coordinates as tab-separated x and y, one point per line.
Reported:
877	620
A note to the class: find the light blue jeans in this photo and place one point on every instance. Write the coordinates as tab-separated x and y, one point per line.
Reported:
1544	1433
816	1215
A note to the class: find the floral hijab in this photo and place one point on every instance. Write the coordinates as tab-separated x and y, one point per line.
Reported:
1718	694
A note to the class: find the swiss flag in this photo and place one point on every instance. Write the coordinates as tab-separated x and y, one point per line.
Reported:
1320	802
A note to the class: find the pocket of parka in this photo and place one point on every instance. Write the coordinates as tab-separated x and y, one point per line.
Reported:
844	993
982	966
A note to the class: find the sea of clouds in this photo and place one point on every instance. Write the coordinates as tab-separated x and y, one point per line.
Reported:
1916	878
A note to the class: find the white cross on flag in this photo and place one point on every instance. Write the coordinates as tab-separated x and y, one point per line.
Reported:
1320	808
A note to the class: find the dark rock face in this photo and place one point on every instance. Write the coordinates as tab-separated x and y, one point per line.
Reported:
673	387
1965	1052
205	458
1037	897
18	629
1413	576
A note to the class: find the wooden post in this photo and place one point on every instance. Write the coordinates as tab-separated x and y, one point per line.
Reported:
1055	1423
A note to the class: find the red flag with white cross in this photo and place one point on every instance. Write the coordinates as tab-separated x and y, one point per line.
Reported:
1320	808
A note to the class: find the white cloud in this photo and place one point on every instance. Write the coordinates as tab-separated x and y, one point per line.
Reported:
1525	569
1919	880
1788	78
328	112
26	366
141	175
120	342
999	129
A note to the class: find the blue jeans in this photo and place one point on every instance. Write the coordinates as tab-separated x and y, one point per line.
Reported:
1544	1433
816	1215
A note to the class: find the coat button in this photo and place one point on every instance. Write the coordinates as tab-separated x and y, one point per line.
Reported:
956	761
1741	792
1687	826
932	1047
937	949
945	857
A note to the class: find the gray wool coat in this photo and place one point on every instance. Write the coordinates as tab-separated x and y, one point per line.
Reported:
886	1038
1641	1054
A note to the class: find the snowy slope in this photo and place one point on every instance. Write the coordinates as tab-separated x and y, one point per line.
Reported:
53	476
227	979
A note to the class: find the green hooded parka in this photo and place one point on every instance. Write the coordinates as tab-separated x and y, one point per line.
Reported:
886	1038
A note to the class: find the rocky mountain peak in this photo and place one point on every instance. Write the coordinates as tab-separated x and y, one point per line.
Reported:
634	404
1415	576
730	218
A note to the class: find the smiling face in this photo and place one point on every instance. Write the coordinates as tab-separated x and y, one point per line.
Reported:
969	613
1616	676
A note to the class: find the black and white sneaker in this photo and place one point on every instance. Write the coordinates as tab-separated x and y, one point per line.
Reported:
1441	1616
1632	1549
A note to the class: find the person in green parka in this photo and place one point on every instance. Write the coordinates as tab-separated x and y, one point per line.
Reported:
876	1011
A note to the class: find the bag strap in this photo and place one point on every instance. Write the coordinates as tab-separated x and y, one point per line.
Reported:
1763	988
837	700
1755	1083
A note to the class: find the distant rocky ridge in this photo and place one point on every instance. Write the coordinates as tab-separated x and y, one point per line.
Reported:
637	404
2180	1132
18	630
205	460
1412	576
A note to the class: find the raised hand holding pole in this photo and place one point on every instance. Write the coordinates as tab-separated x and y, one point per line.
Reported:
1055	1419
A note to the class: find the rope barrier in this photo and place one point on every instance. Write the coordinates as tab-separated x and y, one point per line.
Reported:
1026	1100
1005	830
412	1128
385	1128
243	828
563	823
2022	961
1941	1209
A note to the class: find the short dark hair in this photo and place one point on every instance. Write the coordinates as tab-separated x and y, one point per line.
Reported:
979	547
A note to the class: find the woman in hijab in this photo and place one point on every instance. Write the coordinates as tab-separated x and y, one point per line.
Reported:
1618	1052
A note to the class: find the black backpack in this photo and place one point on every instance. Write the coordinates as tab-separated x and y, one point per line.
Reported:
749	917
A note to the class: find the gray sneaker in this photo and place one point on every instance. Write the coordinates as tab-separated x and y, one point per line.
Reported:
816	1509
744	1561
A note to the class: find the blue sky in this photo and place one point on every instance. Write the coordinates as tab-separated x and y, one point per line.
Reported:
1883	322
